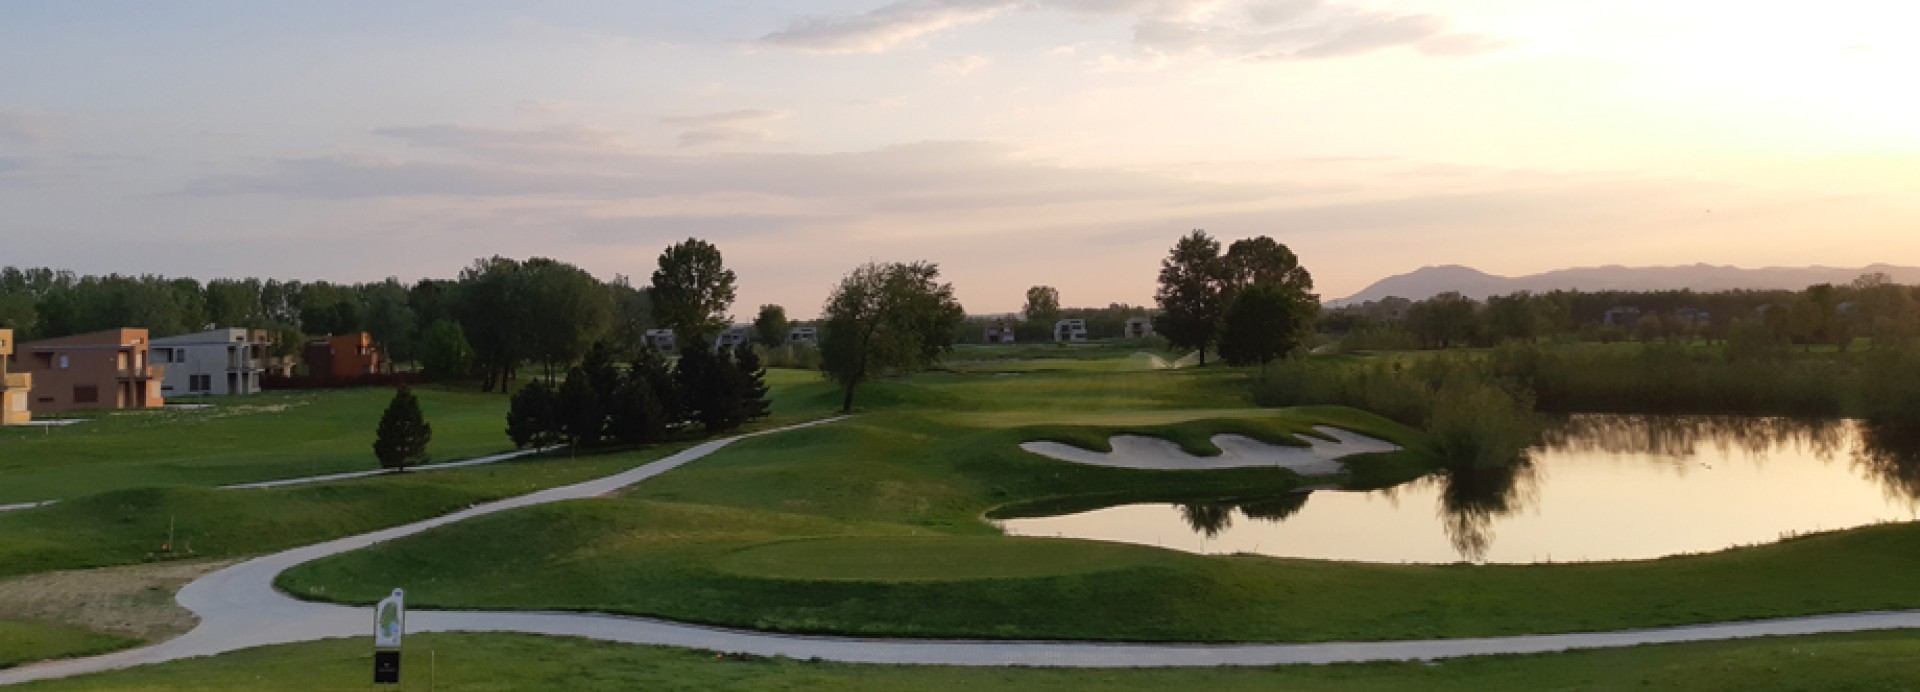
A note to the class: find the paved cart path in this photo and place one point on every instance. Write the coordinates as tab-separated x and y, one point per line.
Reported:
239	608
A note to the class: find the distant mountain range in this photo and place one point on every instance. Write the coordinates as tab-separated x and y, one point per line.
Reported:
1427	282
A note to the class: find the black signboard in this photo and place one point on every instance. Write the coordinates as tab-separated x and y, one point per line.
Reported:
386	667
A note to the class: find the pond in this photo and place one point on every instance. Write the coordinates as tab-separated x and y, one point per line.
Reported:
1600	487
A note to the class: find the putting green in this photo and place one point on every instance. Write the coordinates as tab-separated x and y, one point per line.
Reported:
926	558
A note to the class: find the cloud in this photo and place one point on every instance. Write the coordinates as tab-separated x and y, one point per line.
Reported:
883	28
959	176
459	136
1307	30
1252	29
728	127
24	127
962	65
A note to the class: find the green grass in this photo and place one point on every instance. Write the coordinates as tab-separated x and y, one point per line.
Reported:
25	642
240	439
715	542
762	535
130	525
1865	661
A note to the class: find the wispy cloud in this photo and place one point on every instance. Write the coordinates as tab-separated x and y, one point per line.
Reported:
728	127
1257	29
963	65
884	28
24	126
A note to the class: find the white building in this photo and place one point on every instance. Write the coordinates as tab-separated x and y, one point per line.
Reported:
1139	327
733	336
221	362
660	340
1070	330
803	336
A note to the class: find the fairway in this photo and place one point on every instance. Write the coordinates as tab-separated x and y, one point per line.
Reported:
1864	661
235	440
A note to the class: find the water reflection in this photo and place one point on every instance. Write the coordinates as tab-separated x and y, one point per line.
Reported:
1212	518
1471	498
1597	488
1892	457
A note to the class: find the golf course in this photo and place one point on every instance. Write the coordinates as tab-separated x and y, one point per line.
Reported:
882	524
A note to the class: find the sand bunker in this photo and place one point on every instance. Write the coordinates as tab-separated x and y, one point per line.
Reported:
1137	452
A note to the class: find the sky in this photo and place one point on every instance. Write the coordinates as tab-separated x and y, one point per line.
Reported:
1013	142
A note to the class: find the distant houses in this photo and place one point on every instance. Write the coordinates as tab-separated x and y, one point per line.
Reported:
15	387
98	370
733	336
999	332
1139	327
219	362
661	340
1070	330
1623	316
342	358
803	336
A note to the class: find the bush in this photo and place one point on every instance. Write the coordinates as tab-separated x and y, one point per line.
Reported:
1475	419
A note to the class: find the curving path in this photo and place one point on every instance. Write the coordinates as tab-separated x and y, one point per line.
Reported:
239	608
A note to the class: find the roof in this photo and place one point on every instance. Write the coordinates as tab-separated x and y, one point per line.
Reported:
114	338
211	336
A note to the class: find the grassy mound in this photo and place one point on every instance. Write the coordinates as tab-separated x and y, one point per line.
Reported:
887	559
25	642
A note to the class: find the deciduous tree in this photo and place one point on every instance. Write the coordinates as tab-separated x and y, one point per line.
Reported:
884	319
692	291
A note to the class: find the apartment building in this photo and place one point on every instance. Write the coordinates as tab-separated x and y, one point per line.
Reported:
219	362
98	370
15	387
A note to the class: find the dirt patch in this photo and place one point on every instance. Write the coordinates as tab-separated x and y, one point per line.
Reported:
134	601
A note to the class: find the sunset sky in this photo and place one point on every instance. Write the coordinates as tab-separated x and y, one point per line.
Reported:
1061	142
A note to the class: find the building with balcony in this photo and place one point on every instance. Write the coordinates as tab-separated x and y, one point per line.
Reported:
221	362
803	336
15	387
1139	327
99	370
343	358
1070	330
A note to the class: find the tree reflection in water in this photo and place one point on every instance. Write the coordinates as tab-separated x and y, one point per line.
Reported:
1212	518
1473	500
1682	436
1892	457
1472	497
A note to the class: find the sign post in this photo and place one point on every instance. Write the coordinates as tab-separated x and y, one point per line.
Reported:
389	624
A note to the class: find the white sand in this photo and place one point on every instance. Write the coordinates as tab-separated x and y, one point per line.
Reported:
1152	453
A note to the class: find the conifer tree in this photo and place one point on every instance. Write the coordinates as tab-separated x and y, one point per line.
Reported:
402	437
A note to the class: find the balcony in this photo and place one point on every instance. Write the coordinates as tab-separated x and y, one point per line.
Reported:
17	380
151	372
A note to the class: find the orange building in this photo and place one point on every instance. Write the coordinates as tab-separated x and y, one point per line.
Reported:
15	387
101	370
345	357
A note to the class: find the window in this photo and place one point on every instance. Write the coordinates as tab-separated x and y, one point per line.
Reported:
63	361
86	394
200	383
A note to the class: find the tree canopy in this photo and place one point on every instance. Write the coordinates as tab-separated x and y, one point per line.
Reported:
1043	304
887	319
692	291
1190	293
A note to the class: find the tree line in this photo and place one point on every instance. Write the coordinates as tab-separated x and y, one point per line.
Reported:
1871	307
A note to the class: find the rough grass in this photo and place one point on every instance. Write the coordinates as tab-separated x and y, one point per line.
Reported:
27	641
130	525
1864	661
239	440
